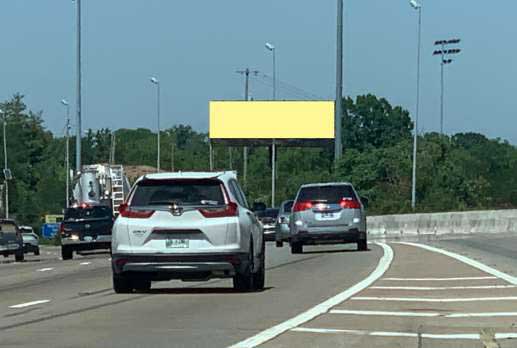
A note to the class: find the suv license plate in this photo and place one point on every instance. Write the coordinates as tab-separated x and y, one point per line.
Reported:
327	215
176	243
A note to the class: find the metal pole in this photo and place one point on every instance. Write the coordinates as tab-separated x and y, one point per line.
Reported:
415	135
79	130
441	95
172	155
210	155
245	149
158	116
274	73
67	156
338	149
273	171
5	169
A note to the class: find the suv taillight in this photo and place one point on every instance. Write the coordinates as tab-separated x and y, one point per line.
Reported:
302	205
230	209
350	203
126	211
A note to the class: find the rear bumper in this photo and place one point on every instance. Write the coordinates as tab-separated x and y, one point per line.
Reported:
321	236
184	267
10	249
102	242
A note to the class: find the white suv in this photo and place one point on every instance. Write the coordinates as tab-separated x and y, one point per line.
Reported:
189	226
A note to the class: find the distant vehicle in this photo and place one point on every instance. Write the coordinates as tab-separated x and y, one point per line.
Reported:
189	226
30	240
268	219
11	240
327	213
98	192
282	223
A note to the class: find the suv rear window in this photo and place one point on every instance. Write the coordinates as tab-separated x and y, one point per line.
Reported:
7	227
332	194
98	212
183	192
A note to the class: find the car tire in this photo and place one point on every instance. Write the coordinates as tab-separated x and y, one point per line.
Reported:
362	245
244	281
66	253
19	257
279	244
122	284
260	276
296	248
36	252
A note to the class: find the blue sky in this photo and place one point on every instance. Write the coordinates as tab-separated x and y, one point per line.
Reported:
195	46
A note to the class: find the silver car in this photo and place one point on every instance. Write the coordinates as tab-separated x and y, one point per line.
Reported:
282	223
327	213
30	240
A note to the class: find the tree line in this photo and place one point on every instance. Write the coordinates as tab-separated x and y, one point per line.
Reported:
458	172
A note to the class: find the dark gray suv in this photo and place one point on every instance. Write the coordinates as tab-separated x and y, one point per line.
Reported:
327	213
11	240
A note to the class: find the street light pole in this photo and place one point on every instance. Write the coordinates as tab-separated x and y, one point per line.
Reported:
444	53
79	125
156	82
417	7
272	49
67	151
6	181
338	147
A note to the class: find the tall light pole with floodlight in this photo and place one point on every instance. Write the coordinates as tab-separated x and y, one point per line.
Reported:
156	82
67	150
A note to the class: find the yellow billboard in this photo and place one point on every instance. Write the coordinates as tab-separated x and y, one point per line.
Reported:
271	119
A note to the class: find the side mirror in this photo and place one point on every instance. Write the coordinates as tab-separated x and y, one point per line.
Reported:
365	202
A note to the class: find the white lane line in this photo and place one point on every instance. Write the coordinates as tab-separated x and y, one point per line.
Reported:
28	304
476	264
457	336
385	313
323	307
440	279
419	299
45	269
85	263
430	288
423	314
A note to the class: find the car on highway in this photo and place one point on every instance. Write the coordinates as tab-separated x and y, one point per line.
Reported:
282	232
267	218
327	213
190	226
30	240
85	227
11	240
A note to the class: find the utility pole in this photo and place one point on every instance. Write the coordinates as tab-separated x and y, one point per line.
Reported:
113	148
7	175
67	151
338	147
246	73
444	54
172	155
78	121
417	6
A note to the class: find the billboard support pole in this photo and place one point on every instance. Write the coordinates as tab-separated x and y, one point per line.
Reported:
210	155
273	171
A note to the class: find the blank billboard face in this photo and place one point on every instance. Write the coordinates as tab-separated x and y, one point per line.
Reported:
272	120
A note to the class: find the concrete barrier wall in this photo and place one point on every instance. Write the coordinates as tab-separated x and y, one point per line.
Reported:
487	221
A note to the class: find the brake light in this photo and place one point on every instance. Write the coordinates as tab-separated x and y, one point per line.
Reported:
350	203
230	209
126	211
62	228
301	206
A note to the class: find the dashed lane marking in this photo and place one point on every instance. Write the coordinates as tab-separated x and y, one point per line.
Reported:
28	304
440	279
46	269
476	264
457	336
431	288
424	314
424	299
323	307
85	263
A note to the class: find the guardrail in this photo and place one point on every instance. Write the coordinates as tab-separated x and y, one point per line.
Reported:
470	222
